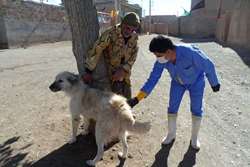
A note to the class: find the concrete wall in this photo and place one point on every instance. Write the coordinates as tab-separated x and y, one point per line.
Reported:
213	5
229	5
200	24
3	35
233	27
170	20
29	22
239	31
203	22
222	28
162	24
24	32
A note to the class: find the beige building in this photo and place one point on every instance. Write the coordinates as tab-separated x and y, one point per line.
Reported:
212	6
109	5
203	21
233	27
227	20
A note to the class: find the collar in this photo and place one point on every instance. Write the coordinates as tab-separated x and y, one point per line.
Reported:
177	53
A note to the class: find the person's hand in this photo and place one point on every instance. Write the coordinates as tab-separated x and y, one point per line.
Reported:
133	102
87	78
216	88
119	75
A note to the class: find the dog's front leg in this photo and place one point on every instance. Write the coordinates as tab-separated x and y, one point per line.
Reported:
75	124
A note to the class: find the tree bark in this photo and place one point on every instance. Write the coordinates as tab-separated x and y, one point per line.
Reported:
82	16
84	25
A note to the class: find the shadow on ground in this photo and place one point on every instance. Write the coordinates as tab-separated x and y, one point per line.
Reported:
71	155
10	157
189	159
197	40
161	157
244	54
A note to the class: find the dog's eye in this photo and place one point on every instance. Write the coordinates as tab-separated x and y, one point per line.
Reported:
60	81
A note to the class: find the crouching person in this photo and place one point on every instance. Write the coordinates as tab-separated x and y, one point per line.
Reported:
118	46
187	66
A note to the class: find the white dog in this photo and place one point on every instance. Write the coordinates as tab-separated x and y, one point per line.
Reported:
111	112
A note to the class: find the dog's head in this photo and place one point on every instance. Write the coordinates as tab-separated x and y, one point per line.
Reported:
64	82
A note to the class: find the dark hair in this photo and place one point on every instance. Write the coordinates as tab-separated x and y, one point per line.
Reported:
161	44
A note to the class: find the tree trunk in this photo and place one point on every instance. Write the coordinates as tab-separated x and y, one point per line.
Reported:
82	16
84	25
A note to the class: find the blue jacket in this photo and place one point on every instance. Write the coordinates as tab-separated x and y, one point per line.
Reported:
191	64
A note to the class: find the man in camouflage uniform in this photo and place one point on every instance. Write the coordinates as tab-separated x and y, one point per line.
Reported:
119	47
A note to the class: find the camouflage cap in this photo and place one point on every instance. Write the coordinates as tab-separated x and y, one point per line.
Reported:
131	19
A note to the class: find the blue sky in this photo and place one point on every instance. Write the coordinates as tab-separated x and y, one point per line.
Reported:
159	7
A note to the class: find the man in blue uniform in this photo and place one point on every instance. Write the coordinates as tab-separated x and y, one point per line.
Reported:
187	66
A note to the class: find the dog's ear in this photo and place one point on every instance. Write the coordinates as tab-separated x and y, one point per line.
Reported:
73	79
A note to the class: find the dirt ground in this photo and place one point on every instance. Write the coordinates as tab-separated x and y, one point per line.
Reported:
35	123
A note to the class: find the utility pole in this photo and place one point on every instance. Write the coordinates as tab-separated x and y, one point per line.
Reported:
150	17
219	9
117	10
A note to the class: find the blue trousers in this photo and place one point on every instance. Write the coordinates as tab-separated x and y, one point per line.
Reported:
196	92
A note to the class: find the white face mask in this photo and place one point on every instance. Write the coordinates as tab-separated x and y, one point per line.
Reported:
162	60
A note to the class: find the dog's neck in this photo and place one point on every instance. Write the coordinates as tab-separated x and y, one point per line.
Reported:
78	86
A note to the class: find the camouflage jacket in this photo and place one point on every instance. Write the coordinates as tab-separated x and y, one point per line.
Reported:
111	45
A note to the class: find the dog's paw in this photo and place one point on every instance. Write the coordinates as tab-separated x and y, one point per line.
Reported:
121	155
90	162
72	140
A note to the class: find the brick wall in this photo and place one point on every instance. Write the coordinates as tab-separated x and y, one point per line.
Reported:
30	22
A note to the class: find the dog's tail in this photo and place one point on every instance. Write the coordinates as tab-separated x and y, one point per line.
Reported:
139	127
